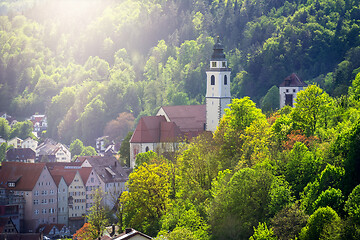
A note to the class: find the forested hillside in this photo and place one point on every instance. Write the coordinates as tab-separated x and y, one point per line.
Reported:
85	62
96	66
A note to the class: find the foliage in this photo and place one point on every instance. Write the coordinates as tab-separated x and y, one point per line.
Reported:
125	149
352	205
77	148
22	130
263	233
4	129
147	199
231	212
312	108
324	223
97	215
288	222
86	232
145	157
271	100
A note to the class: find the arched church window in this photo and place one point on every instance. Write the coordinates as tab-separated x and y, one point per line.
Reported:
212	80
225	80
146	149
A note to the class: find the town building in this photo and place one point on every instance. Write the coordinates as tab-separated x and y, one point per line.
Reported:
111	175
173	124
52	151
288	90
29	143
30	186
20	155
15	142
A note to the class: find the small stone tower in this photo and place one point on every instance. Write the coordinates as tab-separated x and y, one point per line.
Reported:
218	95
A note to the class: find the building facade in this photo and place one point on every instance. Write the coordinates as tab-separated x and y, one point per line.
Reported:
218	95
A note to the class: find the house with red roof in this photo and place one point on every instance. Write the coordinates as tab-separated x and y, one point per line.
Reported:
289	88
31	186
174	124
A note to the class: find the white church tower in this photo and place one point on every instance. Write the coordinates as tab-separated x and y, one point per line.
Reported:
218	95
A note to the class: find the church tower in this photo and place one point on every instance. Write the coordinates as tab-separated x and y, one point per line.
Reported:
218	95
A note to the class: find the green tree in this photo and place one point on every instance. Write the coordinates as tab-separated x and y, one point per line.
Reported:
88	151
241	114
145	157
288	222
97	215
4	129
271	100
324	223
263	233
301	168
147	199
352	205
22	130
76	147
3	149
239	204
125	149
312	109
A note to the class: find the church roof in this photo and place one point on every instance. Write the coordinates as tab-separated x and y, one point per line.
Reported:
293	81
147	130
189	118
155	129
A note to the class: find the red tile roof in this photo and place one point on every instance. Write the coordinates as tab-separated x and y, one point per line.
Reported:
293	81
170	132
148	130
26	175
187	117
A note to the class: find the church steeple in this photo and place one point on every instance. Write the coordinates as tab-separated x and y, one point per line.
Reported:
218	87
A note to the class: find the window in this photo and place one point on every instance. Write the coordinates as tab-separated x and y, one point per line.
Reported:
294	90
213	64
36	202
224	64
51	192
43	210
225	80
36	193
212	80
36	211
11	184
146	149
287	90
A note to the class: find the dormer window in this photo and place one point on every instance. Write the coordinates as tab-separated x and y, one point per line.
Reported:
213	64
11	184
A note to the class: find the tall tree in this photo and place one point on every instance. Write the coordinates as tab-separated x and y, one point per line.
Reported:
147	199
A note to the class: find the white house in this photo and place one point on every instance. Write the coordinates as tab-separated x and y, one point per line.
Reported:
289	88
29	143
15	142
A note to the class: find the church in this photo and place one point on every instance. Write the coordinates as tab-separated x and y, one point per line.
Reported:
174	124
